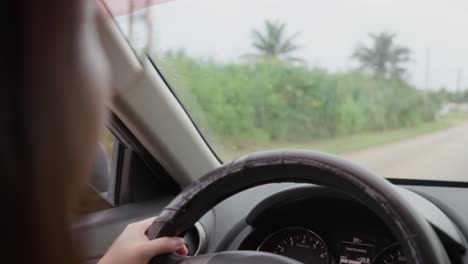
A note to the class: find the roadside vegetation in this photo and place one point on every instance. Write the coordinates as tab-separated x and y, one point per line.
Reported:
272	98
349	143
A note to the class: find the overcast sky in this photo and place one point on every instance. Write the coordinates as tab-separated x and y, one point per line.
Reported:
329	31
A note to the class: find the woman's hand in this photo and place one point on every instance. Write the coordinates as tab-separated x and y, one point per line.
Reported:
133	247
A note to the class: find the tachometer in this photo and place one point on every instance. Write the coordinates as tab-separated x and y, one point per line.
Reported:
391	255
297	243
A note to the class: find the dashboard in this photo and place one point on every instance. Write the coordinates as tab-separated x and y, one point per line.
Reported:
307	246
320	226
337	229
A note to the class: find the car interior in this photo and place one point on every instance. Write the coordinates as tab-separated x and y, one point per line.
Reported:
272	206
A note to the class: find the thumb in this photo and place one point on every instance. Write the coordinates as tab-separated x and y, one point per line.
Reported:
163	245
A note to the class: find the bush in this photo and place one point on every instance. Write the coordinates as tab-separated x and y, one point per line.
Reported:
271	100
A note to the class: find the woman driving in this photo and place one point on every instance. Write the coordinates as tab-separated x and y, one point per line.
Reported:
53	109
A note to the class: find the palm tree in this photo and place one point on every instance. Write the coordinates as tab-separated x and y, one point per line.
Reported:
384	58
272	42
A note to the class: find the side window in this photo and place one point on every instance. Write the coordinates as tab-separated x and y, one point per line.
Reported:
101	178
124	172
98	195
108	141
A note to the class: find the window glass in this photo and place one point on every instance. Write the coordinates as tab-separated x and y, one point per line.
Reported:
381	82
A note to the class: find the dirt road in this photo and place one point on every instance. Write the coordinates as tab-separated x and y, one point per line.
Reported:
442	155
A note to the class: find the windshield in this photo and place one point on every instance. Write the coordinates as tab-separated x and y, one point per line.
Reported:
381	82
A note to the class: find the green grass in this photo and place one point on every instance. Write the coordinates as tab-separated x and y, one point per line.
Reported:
345	144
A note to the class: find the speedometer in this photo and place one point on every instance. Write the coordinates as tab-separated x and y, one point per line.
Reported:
297	243
391	255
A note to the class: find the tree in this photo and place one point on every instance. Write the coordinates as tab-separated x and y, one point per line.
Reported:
384	58
272	42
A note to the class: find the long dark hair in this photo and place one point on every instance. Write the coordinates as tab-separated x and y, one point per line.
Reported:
33	196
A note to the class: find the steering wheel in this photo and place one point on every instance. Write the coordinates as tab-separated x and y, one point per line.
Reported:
419	241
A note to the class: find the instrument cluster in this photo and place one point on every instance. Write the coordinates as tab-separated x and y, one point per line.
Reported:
322	230
307	246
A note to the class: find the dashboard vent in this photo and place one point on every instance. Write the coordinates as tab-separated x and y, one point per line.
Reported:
195	239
